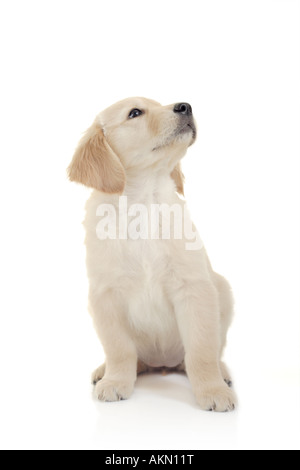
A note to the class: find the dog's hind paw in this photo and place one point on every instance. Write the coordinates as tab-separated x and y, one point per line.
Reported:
226	374
98	374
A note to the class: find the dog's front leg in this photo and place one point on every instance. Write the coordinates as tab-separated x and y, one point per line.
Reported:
121	356
198	317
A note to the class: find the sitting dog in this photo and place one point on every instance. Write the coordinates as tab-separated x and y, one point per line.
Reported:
155	300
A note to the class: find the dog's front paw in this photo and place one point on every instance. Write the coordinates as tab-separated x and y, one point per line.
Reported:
219	398
112	390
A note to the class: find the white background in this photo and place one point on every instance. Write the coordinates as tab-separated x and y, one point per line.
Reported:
237	63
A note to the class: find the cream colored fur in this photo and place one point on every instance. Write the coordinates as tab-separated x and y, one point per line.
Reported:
154	303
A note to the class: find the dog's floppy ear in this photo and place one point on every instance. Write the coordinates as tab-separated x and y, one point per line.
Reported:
96	165
178	177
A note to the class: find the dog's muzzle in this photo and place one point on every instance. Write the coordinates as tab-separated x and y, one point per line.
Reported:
187	123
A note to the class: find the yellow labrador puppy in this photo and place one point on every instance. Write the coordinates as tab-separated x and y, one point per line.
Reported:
154	298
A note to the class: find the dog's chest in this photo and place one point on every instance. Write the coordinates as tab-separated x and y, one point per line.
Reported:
150	311
154	328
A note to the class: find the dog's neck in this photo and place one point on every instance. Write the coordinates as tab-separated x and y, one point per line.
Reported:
154	188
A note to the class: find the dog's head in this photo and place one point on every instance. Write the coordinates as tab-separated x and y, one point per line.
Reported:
131	136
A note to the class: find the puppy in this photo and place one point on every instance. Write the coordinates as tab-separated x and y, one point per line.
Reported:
155	300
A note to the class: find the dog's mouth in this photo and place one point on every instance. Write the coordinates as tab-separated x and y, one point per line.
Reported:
190	126
187	128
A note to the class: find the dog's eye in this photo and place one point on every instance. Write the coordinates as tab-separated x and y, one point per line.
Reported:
135	113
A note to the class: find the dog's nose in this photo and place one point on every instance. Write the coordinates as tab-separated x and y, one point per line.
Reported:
183	108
